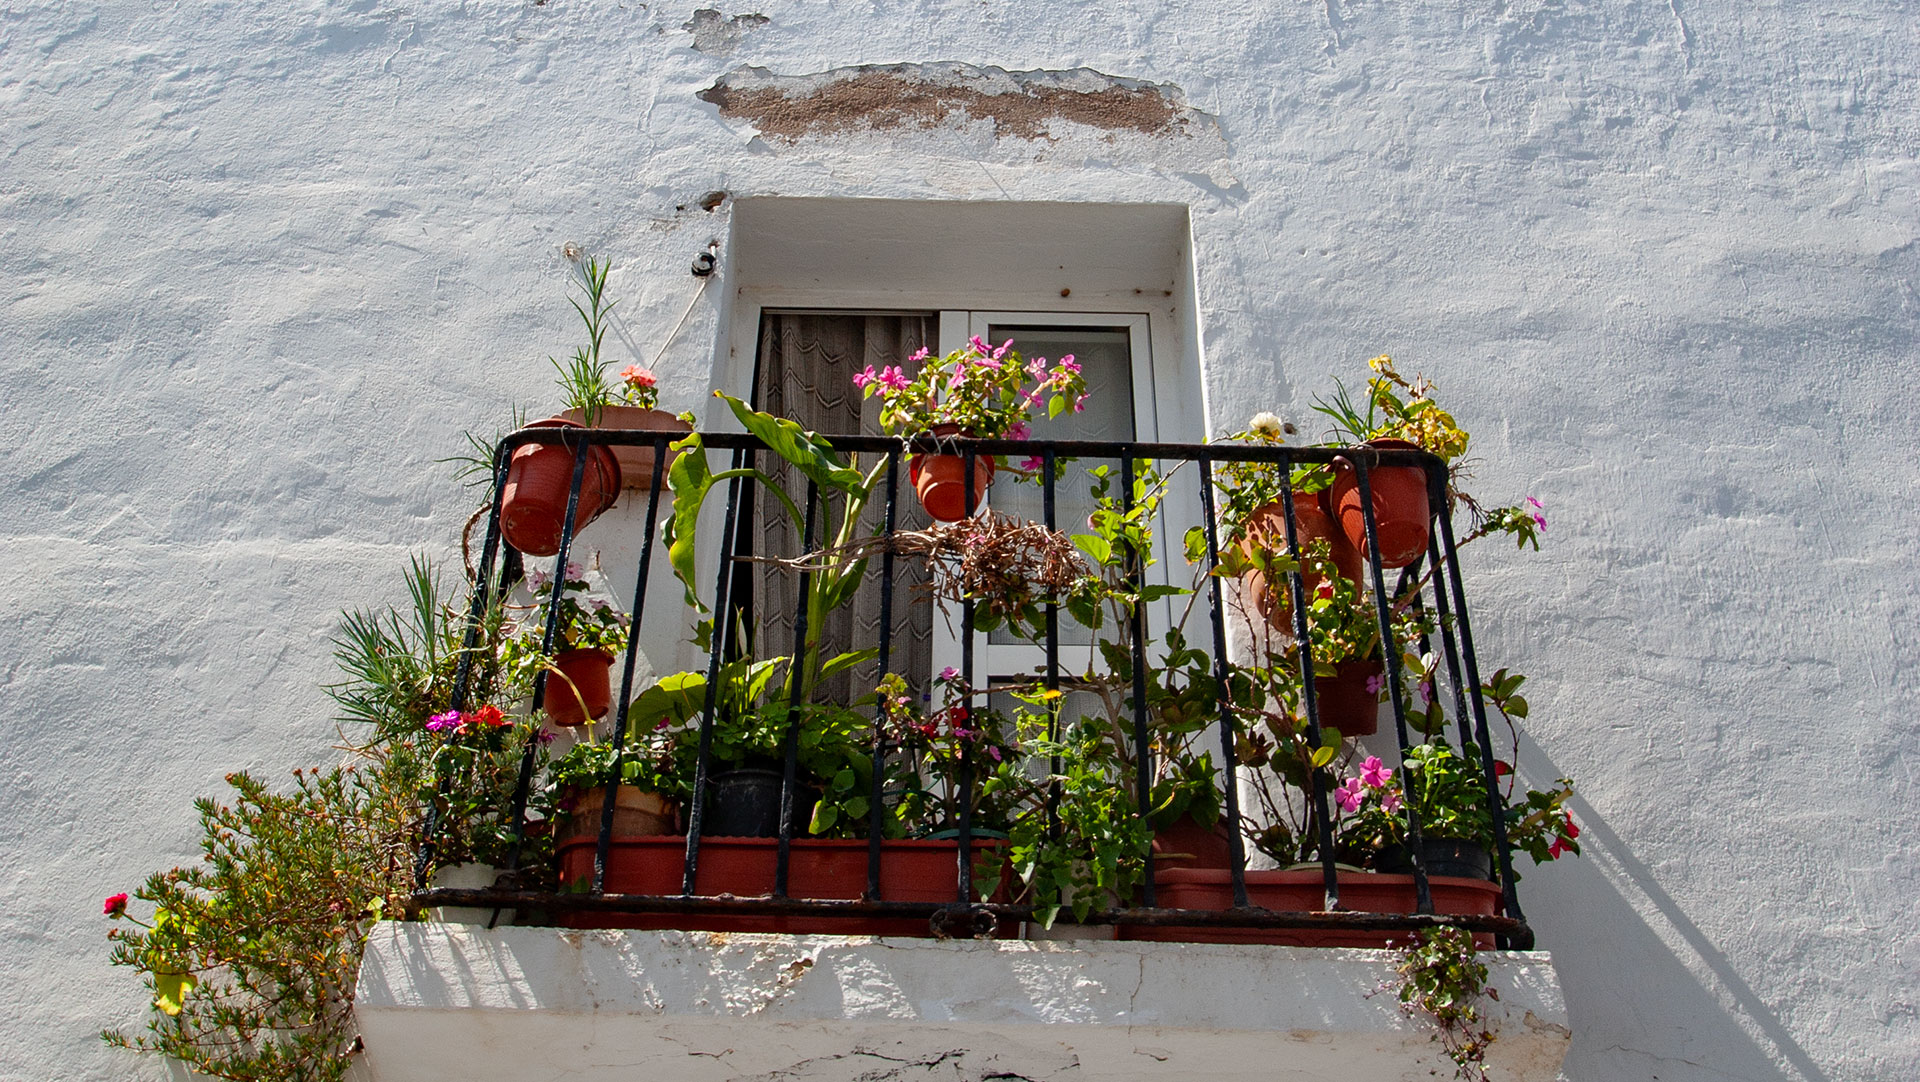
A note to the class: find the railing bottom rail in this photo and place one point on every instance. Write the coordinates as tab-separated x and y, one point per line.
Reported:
730	905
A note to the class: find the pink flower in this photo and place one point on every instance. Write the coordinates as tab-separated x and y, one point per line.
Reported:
978	346
1374	773
864	377
1079	403
1540	520
1036	367
1426	691
635	376
115	906
949	673
1019	431
1349	795
1375	683
575	572
538	579
994	750
959	376
1033	462
920	354
1390	801
1002	351
440	723
1067	362
892	378
1536	503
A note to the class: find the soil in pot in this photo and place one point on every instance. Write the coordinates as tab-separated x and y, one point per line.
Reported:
636	812
636	462
940	480
582	690
1267	530
819	868
745	803
1401	511
1304	891
1443	856
534	504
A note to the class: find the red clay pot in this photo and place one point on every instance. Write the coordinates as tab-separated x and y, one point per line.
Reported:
1344	701
583	681
636	463
635	812
534	505
819	868
1303	890
941	480
1401	512
1267	530
1186	844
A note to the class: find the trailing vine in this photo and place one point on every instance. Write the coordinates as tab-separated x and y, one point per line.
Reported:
1441	976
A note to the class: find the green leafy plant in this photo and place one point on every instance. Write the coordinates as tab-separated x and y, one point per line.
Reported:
583	377
1440	976
252	952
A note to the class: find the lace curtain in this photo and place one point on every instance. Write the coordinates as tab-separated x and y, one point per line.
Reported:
806	368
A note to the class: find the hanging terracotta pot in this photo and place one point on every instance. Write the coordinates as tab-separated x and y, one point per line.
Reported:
940	480
636	462
1267	531
581	690
1401	511
1344	701
534	504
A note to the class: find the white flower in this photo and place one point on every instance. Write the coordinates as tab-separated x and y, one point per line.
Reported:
1269	425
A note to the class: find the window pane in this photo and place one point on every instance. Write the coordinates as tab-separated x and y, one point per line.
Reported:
1105	357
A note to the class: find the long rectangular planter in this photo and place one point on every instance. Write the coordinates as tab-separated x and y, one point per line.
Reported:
819	868
1304	891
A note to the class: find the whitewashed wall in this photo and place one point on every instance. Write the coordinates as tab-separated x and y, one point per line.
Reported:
260	265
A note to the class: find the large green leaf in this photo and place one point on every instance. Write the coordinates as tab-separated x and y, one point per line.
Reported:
809	452
690	479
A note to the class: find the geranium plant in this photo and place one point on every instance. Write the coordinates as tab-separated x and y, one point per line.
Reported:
588	621
979	390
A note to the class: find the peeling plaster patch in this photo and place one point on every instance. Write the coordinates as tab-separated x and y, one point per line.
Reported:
1063	120
717	35
1021	104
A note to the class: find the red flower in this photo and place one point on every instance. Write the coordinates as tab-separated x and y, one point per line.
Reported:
1501	769
488	715
115	906
1573	828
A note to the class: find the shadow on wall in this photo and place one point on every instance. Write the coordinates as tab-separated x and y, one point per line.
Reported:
1592	914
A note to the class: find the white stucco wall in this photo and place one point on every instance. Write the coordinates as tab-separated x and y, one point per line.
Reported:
262	263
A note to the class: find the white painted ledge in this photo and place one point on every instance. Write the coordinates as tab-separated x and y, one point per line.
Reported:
439	1001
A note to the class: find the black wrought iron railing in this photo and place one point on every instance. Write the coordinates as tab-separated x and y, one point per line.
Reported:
1432	582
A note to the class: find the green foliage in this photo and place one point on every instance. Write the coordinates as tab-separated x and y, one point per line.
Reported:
1440	976
252	952
583	377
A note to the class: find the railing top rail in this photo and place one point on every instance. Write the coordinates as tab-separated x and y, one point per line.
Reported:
1186	452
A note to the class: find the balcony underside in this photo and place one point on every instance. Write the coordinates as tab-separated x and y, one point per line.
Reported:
439	1001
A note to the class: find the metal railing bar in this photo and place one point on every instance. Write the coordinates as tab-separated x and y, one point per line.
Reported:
702	761
1137	631
883	666
1228	730
797	678
1309	697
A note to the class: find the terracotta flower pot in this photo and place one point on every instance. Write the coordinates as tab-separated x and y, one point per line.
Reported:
636	463
1401	511
1184	843
1267	531
940	480
636	812
582	690
534	505
1303	890
819	869
1344	701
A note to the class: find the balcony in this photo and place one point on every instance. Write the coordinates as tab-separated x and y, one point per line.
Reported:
840	858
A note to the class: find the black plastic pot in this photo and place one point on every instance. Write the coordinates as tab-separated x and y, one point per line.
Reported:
1443	856
745	803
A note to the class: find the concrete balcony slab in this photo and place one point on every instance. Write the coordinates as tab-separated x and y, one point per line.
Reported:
439	1001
